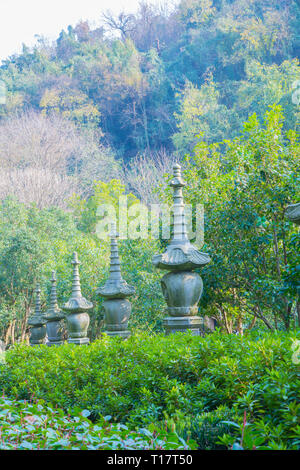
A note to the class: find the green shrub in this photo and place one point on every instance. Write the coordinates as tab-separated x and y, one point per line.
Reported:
196	382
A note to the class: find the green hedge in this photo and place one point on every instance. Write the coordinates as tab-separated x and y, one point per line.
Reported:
189	382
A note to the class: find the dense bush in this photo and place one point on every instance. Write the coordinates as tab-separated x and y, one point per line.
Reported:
175	381
31	426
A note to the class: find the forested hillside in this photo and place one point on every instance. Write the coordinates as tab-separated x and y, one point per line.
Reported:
156	79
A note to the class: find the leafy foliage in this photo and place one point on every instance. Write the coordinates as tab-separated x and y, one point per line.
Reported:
182	382
37	426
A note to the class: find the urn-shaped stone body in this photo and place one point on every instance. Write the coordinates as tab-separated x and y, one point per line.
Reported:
182	291
55	332
37	334
78	324
117	313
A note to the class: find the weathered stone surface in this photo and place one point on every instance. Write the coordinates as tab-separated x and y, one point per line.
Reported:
293	213
77	317
54	317
192	323
37	322
116	307
182	287
182	291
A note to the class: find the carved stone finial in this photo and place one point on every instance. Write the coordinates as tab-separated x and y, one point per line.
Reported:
77	303
54	313
180	254
115	286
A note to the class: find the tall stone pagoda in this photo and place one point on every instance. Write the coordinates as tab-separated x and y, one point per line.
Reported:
37	321
78	319
182	286
115	291
54	317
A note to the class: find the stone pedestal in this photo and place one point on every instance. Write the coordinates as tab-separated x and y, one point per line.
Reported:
192	323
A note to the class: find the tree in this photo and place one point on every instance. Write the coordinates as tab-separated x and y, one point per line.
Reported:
245	190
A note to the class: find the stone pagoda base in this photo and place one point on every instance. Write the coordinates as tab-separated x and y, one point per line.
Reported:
78	340
122	333
54	343
175	324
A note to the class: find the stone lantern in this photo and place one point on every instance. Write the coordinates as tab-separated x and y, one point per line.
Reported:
181	286
115	291
37	322
54	317
77	306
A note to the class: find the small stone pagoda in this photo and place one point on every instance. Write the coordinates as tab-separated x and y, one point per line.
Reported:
78	319
37	321
115	291
54	317
182	287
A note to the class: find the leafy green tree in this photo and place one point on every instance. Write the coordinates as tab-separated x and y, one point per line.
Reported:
245	190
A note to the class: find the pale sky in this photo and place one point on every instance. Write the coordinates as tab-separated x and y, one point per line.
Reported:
20	20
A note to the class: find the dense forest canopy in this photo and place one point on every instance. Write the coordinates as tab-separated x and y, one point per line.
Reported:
155	79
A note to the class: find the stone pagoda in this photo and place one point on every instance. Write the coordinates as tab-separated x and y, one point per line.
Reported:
115	291
78	319
182	286
37	321
54	317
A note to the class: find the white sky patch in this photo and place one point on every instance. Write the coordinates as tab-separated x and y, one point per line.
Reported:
21	20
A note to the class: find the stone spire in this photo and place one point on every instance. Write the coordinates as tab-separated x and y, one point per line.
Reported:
77	303
54	313
115	270
37	321
37	318
115	286
180	254
180	230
